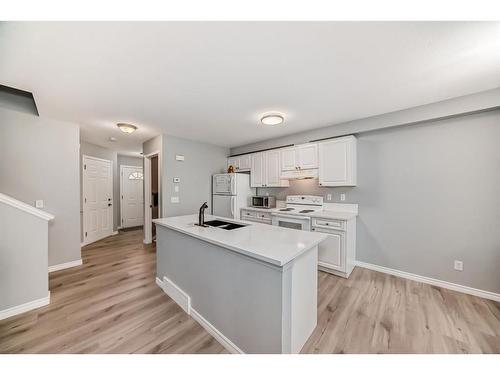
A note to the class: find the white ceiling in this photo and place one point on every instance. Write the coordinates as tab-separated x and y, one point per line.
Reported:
211	81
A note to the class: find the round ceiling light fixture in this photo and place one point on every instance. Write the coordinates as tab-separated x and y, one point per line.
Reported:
127	128
272	119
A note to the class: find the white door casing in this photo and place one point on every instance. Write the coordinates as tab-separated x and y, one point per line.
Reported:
132	197
148	213
97	198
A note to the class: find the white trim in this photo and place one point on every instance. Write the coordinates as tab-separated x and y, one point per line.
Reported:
19	309
216	334
114	233
148	221
63	266
25	207
82	244
120	198
176	293
184	301
82	168
428	280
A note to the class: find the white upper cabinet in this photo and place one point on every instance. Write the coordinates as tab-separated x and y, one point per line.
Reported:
307	156
257	171
240	163
299	157
245	162
265	170
273	169
337	162
288	159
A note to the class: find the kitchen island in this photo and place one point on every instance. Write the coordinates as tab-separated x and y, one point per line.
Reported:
253	288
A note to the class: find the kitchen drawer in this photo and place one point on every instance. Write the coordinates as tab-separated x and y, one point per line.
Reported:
329	223
248	214
257	220
263	215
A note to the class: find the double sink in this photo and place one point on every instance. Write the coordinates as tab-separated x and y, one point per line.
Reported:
223	224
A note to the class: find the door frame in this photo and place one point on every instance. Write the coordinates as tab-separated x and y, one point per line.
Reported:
148	212
121	190
84	211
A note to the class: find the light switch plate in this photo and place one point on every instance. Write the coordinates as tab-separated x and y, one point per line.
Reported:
179	157
342	196
39	203
328	197
174	199
176	188
459	265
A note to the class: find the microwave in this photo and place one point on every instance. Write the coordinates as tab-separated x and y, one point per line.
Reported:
263	202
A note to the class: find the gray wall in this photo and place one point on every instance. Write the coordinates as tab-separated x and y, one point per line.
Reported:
129	160
201	162
482	101
428	194
22	281
90	149
39	160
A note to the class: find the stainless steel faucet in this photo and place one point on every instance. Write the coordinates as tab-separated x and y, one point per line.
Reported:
201	215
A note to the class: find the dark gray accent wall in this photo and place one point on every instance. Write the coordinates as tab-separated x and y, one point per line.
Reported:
201	162
39	160
428	194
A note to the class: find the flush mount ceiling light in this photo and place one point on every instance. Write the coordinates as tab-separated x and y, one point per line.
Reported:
272	119
127	128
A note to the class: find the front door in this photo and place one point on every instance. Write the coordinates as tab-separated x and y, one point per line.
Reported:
132	203
97	199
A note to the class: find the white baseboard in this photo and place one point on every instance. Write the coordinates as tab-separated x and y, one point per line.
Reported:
62	266
176	293
114	233
216	334
184	301
428	280
146	242
11	311
82	244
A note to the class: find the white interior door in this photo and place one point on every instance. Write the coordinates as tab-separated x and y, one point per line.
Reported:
132	197
97	199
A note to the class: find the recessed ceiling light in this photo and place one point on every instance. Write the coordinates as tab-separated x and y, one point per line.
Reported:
112	139
272	119
127	128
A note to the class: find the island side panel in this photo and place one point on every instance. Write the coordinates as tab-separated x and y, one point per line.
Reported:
240	296
300	300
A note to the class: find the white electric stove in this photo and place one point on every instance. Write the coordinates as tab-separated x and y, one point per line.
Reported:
295	214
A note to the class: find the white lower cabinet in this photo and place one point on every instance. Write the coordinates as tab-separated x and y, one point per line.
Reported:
337	253
256	216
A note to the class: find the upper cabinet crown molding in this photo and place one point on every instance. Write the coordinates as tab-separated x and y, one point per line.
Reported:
337	162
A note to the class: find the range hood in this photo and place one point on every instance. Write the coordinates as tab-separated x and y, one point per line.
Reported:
301	174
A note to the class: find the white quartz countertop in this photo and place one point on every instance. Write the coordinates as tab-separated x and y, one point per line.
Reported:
325	214
271	244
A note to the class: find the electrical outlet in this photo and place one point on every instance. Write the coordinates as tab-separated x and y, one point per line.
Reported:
176	188
342	196
459	265
174	199
328	197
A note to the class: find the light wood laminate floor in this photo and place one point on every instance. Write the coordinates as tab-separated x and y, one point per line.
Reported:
111	304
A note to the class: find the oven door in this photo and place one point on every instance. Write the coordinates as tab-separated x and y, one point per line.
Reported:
292	222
